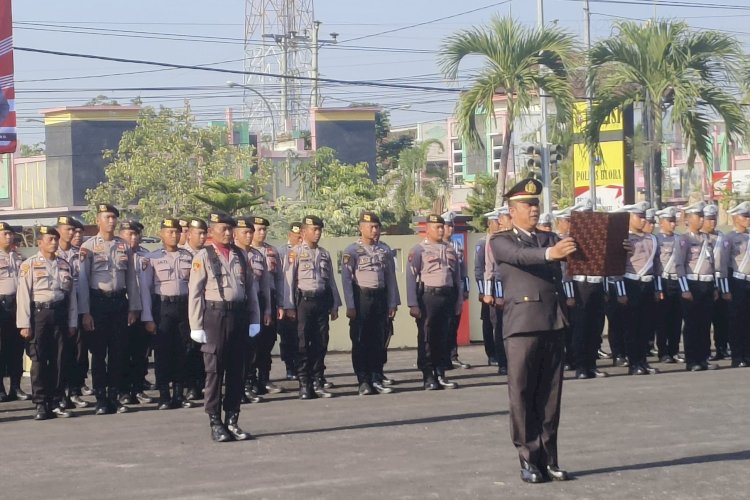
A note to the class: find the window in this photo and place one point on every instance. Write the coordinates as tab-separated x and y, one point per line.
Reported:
497	152
458	157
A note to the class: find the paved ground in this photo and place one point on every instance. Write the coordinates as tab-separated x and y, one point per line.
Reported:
673	435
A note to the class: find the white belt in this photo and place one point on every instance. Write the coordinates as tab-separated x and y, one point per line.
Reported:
588	279
637	277
670	276
741	276
700	277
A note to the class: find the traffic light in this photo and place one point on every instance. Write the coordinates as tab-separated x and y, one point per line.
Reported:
535	157
556	153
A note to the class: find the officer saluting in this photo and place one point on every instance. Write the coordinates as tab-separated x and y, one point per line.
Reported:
434	294
371	297
109	301
310	295
47	314
164	279
223	311
533	325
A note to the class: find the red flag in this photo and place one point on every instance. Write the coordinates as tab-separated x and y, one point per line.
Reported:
7	86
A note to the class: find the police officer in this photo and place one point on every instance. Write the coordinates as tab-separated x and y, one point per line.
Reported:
391	261
697	251
434	293
164	276
196	375
184	231
138	338
452	347
11	344
492	297
47	313
720	315
370	289
479	265
639	290
288	326
562	222
310	296
76	364
223	311
267	336
243	239
109	302
735	263
671	287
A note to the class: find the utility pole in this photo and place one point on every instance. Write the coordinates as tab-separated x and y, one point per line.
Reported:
589	97
316	44
543	109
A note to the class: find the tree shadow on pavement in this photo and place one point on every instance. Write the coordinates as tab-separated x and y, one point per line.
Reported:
698	459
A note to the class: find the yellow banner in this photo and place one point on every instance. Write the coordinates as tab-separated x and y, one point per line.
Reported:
610	168
613	123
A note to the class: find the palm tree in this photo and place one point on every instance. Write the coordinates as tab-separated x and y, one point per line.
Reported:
229	195
518	61
679	76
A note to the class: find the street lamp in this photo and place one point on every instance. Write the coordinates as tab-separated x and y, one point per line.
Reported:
268	105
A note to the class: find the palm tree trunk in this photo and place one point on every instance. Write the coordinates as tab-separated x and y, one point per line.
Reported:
504	157
658	132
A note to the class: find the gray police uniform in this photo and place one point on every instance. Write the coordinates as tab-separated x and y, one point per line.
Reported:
672	283
287	326
697	253
77	364
11	343
734	262
720	315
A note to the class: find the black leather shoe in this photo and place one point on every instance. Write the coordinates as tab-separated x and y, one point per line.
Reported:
601	354
387	381
61	412
143	398
3	396
233	428
667	359
653	352
127	399
272	388
290	375
637	370
431	385
680	358
41	412
457	363
165	404
583	374
445	383
696	367
219	432
365	389
649	369
321	392
22	396
115	403
102	408
502	370
717	356
710	366
620	361
326	384
596	373
378	386
78	401
530	473
66	403
739	363
306	392
86	390
492	361
557	474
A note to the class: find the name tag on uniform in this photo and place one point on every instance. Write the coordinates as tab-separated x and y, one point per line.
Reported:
364	260
121	247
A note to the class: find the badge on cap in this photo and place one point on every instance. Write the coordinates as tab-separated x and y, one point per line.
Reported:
367	217
530	187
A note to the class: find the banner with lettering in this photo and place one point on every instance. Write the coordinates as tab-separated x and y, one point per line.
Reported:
8	138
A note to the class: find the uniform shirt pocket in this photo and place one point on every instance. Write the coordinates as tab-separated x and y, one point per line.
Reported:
185	265
4	267
163	270
101	262
122	261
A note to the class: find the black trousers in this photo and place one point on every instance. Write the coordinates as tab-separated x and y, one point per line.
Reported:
46	349
432	329
638	319
697	329
616	323
139	342
312	337
264	343
108	342
488	331
496	319
76	361
172	341
739	330
587	318
288	342
367	332
224	357
386	342
535	376
251	349
669	319
11	345
720	321
452	340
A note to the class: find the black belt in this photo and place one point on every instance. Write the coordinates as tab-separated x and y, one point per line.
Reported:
50	304
225	306
173	299
371	292
439	290
119	294
309	294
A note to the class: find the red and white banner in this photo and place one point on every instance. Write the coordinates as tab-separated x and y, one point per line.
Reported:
7	87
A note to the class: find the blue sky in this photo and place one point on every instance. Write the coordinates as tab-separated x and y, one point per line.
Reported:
38	75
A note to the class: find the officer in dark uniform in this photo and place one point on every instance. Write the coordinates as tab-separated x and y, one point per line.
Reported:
164	276
720	315
196	375
288	326
452	347
139	339
434	294
310	296
391	261
47	314
223	312
109	301
370	293
11	344
534	321
76	365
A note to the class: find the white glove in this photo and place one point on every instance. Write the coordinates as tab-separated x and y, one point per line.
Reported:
199	336
254	330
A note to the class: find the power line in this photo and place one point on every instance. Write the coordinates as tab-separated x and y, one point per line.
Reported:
672	3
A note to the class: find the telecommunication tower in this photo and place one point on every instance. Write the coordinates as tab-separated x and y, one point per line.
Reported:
278	40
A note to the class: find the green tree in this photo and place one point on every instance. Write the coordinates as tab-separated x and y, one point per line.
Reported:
481	200
680	76
518	61
163	162
230	195
27	150
102	100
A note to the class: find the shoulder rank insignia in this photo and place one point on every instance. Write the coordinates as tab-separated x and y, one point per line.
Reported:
346	258
197	266
24	269
292	256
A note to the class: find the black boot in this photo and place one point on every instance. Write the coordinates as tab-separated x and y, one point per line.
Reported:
102	405
234	429
178	400
58	409
115	403
320	389
258	386
264	379
291	373
75	397
219	433
249	396
19	394
165	401
41	412
193	394
443	381
306	390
